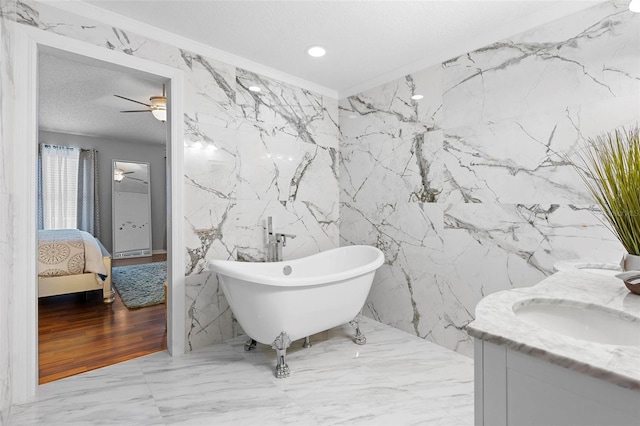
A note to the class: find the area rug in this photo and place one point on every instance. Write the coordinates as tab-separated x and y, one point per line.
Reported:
140	286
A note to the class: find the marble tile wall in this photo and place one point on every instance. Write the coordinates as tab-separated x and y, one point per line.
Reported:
247	156
468	190
464	190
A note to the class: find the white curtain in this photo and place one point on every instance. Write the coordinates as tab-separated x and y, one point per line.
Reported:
59	186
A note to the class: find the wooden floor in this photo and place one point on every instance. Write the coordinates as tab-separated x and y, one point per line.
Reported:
78	332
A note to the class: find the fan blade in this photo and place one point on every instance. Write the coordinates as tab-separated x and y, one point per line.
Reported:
138	110
132	100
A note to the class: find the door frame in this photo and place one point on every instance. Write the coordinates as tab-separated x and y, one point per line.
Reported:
23	312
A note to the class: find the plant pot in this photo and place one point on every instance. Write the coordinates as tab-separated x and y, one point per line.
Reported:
631	262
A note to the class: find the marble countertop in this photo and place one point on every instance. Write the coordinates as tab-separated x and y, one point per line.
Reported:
497	323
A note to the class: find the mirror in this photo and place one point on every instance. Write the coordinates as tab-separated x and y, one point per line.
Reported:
131	203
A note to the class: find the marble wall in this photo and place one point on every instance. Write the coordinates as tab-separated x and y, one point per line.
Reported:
465	190
468	191
248	155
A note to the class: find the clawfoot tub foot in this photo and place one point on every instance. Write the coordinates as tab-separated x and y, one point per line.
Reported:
249	344
281	344
360	338
307	342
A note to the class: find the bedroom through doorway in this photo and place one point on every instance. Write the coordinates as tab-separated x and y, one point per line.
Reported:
94	318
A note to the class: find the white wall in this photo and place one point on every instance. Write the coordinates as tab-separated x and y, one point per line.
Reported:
109	150
467	190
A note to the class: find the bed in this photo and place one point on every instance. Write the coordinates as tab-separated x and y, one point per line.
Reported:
71	261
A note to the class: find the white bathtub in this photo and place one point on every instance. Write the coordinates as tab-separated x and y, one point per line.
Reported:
279	302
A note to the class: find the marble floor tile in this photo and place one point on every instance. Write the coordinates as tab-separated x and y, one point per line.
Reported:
396	378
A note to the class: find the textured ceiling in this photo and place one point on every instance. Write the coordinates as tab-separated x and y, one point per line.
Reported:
367	42
76	96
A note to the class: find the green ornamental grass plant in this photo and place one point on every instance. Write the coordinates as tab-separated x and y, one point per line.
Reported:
612	175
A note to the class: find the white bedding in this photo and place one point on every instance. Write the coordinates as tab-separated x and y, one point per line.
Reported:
68	252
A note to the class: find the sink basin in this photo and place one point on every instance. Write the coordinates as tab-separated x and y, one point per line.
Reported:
581	321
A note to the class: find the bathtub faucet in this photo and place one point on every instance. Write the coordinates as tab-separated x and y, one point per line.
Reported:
275	242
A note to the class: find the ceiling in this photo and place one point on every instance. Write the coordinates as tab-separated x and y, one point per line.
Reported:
75	96
368	43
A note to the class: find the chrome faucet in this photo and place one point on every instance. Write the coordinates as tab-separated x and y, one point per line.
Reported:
275	242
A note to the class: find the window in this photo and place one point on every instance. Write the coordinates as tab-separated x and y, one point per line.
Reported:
59	186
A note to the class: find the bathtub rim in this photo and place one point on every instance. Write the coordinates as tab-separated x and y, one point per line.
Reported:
231	268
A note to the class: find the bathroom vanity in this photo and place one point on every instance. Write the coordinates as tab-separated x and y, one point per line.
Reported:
563	352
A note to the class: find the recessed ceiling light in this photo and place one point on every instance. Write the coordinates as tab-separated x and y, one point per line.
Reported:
254	88
417	97
316	51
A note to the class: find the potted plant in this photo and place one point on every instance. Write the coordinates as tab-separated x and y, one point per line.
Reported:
611	171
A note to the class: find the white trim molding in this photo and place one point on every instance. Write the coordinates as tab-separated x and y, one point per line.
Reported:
176	321
24	337
23	313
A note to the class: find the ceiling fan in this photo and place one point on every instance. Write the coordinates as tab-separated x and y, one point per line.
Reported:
157	106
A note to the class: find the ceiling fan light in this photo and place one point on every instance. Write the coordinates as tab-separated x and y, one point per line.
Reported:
159	107
160	114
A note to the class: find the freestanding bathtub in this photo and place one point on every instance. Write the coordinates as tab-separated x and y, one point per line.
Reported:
280	302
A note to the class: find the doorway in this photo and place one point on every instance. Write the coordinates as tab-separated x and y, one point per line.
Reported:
80	103
28	42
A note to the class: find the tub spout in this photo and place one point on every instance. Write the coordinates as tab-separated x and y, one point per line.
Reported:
281	241
275	242
307	342
281	344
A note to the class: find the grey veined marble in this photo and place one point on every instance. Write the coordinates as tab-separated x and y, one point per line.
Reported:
470	190
394	379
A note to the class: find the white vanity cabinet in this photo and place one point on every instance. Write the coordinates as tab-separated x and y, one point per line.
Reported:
512	388
534	372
